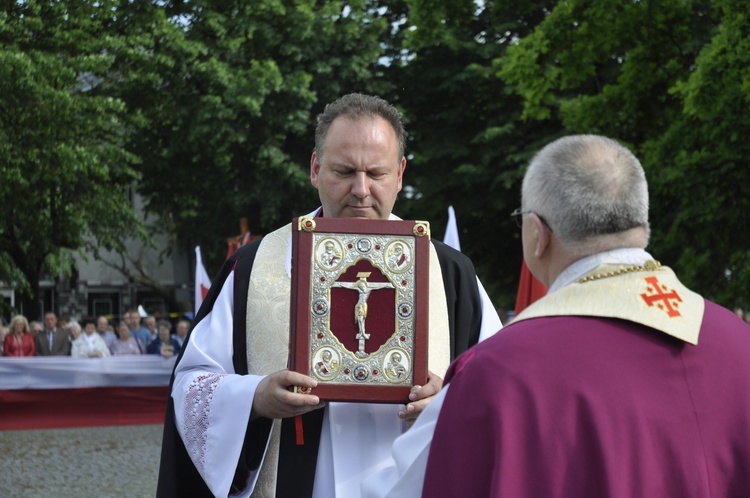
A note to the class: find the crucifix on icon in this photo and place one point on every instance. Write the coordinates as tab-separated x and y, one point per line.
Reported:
364	288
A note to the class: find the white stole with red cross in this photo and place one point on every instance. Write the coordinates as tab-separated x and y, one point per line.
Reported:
655	298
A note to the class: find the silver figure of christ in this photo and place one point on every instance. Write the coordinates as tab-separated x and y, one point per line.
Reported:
364	288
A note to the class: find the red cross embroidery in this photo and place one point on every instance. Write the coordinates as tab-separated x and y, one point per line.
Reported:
664	298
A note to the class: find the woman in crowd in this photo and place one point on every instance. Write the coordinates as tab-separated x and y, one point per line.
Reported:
125	344
89	344
74	331
20	340
164	345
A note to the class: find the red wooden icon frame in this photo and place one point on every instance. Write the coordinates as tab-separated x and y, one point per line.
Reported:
300	339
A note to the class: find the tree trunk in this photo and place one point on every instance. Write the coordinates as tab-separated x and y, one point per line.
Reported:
29	302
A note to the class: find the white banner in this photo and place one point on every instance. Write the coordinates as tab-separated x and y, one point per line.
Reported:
65	372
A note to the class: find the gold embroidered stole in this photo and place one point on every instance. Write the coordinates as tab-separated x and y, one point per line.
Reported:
655	298
267	326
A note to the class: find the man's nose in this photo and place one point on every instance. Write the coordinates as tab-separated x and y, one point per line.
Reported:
361	186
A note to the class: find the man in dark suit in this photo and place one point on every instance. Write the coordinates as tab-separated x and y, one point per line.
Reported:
52	341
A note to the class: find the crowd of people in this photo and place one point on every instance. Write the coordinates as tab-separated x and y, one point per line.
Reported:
92	337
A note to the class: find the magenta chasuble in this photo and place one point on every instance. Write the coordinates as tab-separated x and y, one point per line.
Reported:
593	406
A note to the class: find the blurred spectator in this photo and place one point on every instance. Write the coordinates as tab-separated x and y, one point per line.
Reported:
137	331
104	331
89	344
74	332
20	340
183	327
125	344
150	324
52	341
3	334
164	345
36	327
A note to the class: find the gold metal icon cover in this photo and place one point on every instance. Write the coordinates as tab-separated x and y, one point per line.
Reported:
359	308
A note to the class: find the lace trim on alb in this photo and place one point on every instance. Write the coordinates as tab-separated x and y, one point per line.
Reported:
197	415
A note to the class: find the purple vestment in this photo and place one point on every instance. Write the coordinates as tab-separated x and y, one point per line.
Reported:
597	407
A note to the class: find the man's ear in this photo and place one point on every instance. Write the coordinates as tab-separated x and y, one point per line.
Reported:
401	168
542	236
314	169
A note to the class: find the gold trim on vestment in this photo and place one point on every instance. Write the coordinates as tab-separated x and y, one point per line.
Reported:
652	297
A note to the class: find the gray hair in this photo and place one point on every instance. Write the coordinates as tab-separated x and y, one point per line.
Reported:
586	186
357	105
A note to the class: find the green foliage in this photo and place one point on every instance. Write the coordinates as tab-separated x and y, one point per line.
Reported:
669	79
228	92
709	163
65	174
468	145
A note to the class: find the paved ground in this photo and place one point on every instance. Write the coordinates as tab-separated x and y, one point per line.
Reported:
96	462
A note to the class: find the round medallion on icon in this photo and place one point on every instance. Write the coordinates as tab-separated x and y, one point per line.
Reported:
329	253
396	365
398	256
326	363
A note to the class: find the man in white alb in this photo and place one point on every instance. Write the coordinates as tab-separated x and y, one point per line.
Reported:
233	426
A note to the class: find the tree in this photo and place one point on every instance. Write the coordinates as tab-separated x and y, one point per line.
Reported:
468	146
671	81
65	177
228	92
703	156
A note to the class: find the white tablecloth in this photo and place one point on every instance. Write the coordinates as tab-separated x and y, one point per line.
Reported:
64	372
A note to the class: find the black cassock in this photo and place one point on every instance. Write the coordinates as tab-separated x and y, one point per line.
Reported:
179	478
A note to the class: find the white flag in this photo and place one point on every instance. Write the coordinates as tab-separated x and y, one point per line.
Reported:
491	322
202	282
451	231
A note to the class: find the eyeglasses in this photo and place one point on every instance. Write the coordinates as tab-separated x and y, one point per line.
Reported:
517	215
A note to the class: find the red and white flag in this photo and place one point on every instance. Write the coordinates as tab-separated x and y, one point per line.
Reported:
202	282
